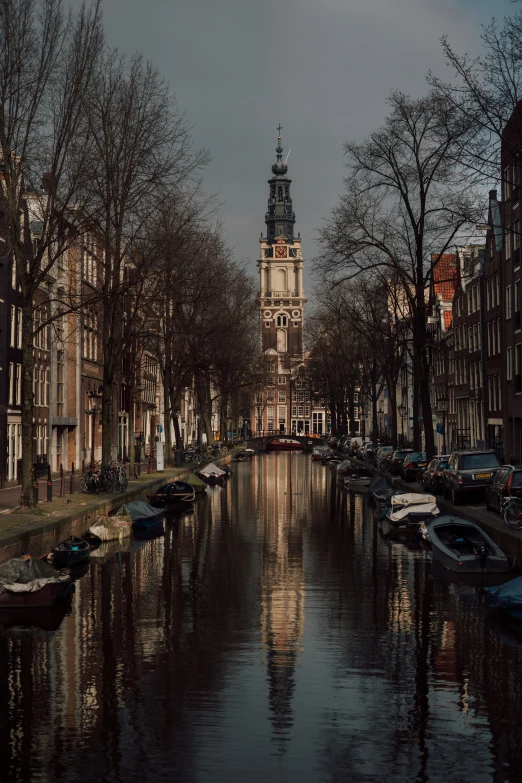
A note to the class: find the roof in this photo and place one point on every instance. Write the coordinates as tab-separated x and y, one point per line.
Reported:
448	317
445	276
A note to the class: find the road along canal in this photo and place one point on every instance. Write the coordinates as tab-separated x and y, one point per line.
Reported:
272	634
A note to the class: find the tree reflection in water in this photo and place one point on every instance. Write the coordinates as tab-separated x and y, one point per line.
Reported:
272	634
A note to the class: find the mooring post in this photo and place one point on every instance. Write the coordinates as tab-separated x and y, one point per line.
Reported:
49	485
71	487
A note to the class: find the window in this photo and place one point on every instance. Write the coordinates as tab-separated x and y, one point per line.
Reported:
516	305
490	392
488	294
489	338
281	380
518	365
509	242
281	320
59	384
13	326
505	184
294	410
497	288
282	396
499	392
509	364
470	338
509	304
11	382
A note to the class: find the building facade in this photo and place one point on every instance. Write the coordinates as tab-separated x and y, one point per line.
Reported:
285	401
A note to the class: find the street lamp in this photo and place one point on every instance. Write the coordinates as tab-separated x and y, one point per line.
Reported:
441	411
93	412
402	411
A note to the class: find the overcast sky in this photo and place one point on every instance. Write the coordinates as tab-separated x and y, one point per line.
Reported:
321	67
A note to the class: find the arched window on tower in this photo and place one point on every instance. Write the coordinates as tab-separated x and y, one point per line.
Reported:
281	320
281	340
280	280
280	193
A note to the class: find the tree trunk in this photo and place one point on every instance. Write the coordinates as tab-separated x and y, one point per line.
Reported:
132	424
27	496
168	415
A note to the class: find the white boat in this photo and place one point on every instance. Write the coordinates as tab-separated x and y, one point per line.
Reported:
408	510
111	528
212	474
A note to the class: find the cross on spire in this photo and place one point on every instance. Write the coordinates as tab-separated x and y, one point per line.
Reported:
279	129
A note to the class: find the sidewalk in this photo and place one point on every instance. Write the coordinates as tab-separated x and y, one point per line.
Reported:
38	531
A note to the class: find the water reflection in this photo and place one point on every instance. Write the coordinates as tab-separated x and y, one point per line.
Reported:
271	633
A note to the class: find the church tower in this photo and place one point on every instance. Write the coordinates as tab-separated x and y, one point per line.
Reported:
281	305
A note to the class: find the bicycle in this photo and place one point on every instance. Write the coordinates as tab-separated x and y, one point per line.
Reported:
511	512
192	455
113	478
385	464
90	481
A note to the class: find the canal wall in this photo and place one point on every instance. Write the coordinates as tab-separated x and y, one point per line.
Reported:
36	533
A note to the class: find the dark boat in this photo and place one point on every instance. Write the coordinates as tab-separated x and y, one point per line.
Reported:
172	494
147	533
462	546
71	551
144	515
379	490
507	597
26	583
46	618
284	444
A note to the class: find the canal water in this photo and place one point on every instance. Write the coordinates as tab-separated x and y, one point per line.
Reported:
273	635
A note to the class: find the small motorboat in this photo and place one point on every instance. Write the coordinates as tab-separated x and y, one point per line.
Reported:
507	597
380	490
172	494
227	471
143	515
462	546
26	583
344	468
71	551
284	444
319	452
359	480
113	528
213	475
407	510
333	463
197	484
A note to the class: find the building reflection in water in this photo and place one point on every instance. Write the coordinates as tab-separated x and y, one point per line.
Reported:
283	489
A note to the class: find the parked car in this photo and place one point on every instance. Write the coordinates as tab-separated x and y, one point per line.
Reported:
506	482
432	476
397	458
468	471
411	465
383	451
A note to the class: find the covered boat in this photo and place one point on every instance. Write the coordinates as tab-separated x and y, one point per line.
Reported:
212	474
111	528
143	515
71	551
408	509
283	444
27	583
197	484
380	490
507	597
318	452
461	545
344	468
172	494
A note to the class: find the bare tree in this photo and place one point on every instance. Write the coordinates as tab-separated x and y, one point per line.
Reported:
47	60
142	151
406	202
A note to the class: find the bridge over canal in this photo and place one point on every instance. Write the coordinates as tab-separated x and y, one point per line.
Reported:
308	441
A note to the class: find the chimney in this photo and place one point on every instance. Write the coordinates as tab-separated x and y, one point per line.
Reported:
47	179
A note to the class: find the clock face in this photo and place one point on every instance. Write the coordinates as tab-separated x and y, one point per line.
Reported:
280	251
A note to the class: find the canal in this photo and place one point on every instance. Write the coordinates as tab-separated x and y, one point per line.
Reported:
272	635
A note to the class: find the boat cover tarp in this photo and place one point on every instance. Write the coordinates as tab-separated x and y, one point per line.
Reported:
212	470
412	498
508	596
378	484
25	575
419	508
195	482
139	509
109	528
344	465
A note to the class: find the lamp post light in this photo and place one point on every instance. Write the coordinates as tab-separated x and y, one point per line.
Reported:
402	410
93	412
442	410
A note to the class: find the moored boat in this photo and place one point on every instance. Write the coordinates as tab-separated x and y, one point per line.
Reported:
26	583
360	485
507	597
71	551
462	546
111	528
407	510
213	475
172	494
143	515
284	444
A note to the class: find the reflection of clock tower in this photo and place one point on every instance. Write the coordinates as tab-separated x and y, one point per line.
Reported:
281	299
